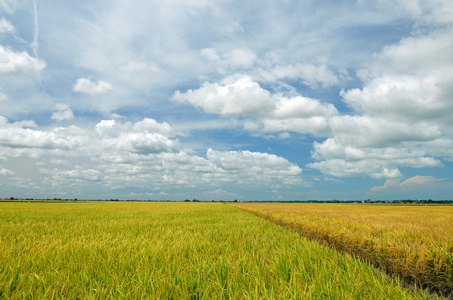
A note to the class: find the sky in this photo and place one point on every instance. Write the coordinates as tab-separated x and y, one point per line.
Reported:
222	100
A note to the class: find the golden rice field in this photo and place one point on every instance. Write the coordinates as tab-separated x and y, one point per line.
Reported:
130	250
412	242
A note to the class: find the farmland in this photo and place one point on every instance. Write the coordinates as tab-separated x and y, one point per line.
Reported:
96	250
412	242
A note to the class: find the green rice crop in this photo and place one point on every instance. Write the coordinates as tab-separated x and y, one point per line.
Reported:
412	242
125	250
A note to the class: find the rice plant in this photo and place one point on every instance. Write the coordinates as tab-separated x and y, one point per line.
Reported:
412	242
121	250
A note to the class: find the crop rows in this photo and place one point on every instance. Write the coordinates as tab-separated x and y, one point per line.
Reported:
414	243
171	251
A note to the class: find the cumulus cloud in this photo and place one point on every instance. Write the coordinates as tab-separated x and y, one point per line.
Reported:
17	136
366	131
389	184
404	110
370	167
230	98
63	113
417	180
409	80
347	160
244	97
143	137
375	147
266	70
115	155
273	66
15	62
254	167
151	125
82	175
5	172
84	85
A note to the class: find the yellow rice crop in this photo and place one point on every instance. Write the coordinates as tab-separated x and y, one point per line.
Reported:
413	242
171	251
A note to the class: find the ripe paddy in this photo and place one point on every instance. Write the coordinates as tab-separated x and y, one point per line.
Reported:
412	242
97	250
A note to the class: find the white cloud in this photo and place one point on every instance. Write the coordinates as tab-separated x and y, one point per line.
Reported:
210	54
81	175
14	62
400	116
254	168
404	110
342	168
389	184
151	125
269	71
10	6
244	97
230	98
284	135
115	155
316	125
63	113
136	138
17	137
240	58
309	74
413	182
417	180
106	128
84	85
409	80
5	172
6	26
365	131
234	60
144	143
361	159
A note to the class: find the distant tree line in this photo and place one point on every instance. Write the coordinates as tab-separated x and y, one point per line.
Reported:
402	201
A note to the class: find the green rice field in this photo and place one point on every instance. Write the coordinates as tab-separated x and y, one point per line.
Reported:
134	250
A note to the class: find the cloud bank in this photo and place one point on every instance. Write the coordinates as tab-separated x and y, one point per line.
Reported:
227	97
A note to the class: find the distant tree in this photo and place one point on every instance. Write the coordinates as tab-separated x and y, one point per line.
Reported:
12	198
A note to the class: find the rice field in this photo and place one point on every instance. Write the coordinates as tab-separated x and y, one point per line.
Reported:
412	242
121	250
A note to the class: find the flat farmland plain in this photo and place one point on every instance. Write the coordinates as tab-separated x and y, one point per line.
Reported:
129	250
412	242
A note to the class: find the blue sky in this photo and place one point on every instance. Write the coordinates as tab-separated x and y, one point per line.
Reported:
254	100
